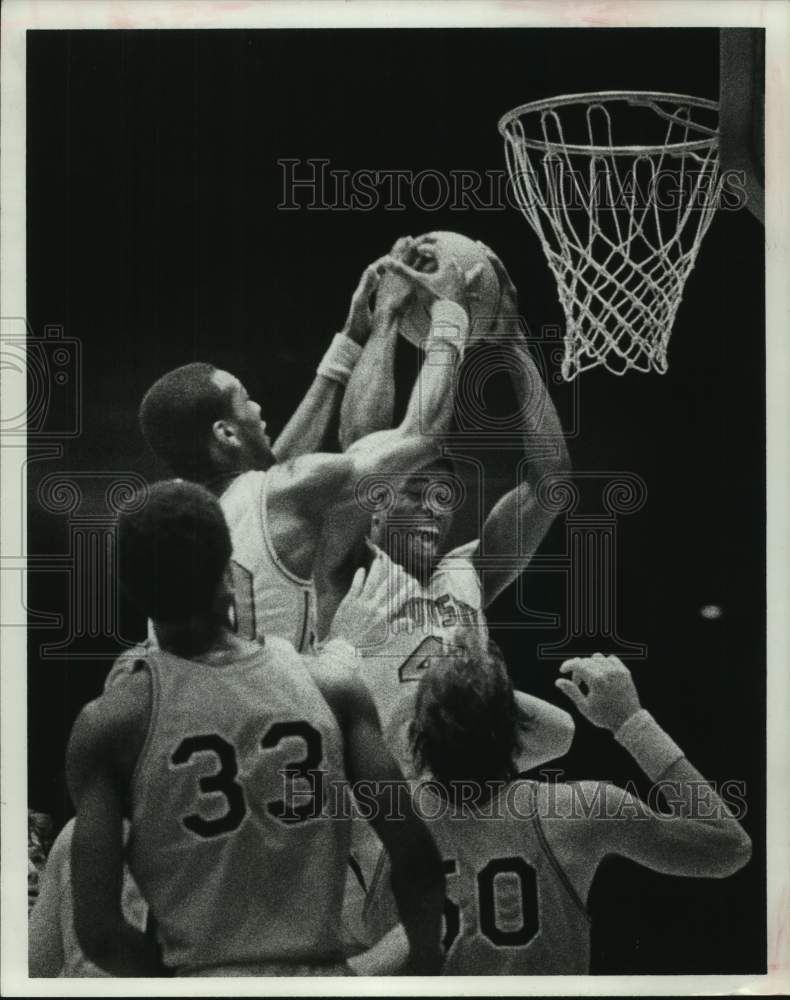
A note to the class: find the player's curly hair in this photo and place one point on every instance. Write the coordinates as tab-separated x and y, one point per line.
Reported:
467	725
173	551
176	415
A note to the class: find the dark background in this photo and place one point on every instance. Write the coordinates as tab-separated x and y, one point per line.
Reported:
154	238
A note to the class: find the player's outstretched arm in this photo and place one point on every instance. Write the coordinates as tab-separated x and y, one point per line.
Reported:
105	733
416	441
318	482
307	429
335	490
700	836
369	400
517	524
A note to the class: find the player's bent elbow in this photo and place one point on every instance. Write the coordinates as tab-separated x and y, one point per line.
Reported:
559	464
422	445
548	731
726	854
735	855
564	730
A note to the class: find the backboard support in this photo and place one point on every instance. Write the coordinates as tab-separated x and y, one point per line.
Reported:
742	111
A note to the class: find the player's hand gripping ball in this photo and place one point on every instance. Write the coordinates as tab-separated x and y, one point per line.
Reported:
452	266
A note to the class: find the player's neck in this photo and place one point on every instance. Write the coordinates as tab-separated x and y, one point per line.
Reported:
195	638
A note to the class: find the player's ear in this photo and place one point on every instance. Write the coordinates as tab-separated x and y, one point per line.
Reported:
224	434
378	529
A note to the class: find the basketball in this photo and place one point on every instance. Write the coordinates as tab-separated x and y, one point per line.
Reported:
416	322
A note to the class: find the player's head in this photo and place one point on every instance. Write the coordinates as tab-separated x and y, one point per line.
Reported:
467	726
201	421
173	553
414	529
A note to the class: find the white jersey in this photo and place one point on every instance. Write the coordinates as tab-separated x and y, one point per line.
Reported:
421	628
237	842
270	599
510	908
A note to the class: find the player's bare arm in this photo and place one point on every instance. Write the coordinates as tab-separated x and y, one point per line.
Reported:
305	490
700	836
369	400
517	524
417	879
410	446
104	745
306	431
551	731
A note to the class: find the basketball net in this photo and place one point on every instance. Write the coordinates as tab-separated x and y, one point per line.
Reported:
621	225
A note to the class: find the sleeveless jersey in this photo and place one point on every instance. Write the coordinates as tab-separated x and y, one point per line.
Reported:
510	908
421	628
270	600
237	842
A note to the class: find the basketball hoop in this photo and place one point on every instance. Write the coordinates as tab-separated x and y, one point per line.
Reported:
621	225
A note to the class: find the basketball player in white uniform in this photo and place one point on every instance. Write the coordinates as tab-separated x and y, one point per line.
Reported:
449	593
520	856
228	755
202	423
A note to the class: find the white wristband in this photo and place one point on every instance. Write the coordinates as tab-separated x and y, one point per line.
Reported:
449	325
653	749
340	358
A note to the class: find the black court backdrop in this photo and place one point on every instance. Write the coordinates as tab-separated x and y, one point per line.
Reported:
154	237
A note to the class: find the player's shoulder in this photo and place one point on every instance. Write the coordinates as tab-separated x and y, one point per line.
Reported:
242	486
310	479
581	801
461	553
128	662
333	664
107	727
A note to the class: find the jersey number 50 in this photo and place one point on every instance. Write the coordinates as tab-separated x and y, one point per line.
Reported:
501	937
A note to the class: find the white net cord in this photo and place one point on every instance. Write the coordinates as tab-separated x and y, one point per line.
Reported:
620	226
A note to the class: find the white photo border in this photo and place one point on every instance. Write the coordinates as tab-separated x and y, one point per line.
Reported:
20	15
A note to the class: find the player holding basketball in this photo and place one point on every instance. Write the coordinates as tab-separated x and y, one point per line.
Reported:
520	856
449	592
224	762
202	423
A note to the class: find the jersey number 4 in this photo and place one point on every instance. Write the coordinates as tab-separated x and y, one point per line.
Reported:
519	932
412	668
299	805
